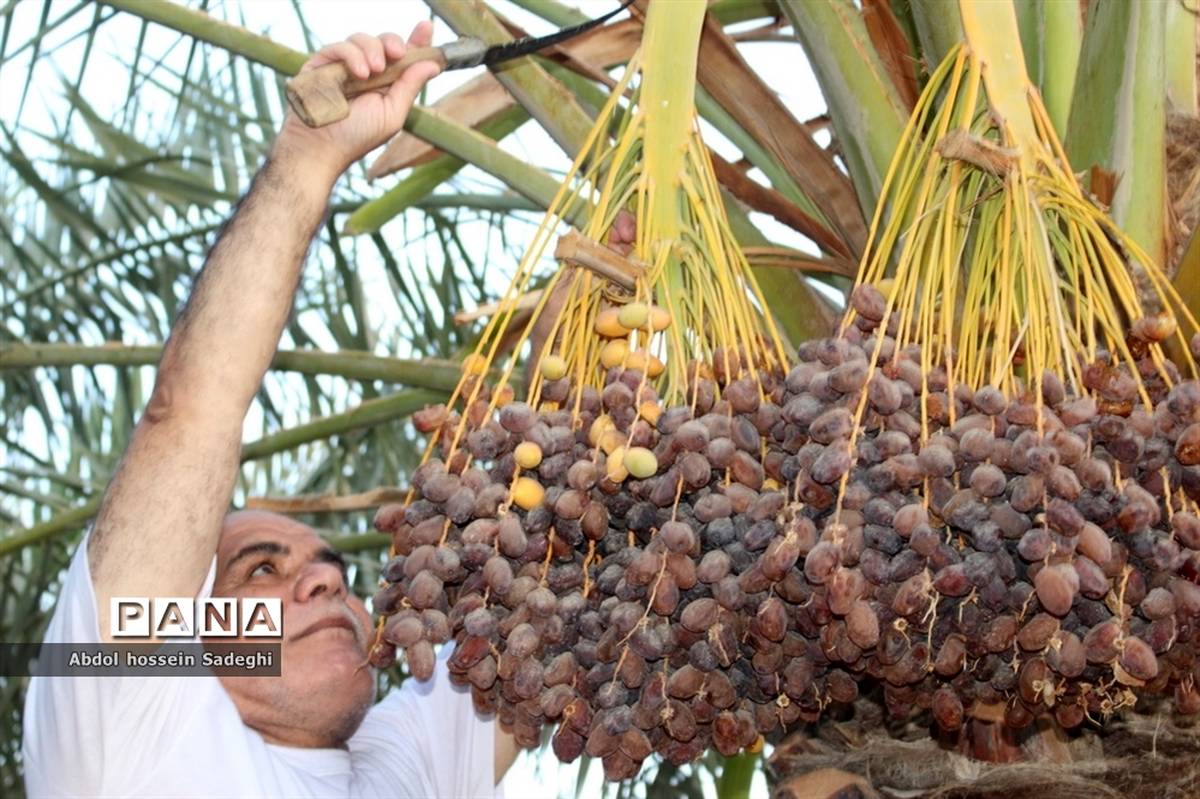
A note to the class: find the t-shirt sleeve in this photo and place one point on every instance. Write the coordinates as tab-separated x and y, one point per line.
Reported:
427	737
87	735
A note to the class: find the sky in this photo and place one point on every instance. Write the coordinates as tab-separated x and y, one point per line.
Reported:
106	85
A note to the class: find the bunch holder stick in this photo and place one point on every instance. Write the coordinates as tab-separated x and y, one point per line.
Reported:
578	250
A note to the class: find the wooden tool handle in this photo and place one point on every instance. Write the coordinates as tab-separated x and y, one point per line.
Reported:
322	96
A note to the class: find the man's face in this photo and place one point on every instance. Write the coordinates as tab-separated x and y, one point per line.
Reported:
325	687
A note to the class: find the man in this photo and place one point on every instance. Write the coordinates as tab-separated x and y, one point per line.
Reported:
313	730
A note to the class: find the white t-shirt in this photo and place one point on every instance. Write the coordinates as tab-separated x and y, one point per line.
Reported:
183	737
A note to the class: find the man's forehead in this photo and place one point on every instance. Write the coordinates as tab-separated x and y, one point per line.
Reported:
245	527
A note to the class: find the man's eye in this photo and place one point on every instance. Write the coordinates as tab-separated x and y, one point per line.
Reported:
263	568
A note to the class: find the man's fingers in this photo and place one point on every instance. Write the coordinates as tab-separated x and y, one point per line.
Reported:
345	52
372	49
403	93
393	46
362	53
365	55
422	34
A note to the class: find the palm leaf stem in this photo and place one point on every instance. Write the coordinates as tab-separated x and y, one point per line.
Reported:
428	373
867	112
202	26
545	98
366	414
1129	139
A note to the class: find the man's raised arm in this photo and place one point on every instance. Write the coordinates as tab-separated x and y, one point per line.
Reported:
161	516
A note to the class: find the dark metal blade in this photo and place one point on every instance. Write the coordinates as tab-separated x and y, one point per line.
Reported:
531	44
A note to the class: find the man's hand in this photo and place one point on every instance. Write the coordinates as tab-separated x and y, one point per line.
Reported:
374	117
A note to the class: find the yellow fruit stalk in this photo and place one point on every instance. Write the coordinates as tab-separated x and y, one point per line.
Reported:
685	291
983	242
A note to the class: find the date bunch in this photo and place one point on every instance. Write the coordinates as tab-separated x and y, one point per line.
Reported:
670	579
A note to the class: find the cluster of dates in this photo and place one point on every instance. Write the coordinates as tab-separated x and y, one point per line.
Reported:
788	542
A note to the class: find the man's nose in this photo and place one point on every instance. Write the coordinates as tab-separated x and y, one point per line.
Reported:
320	578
